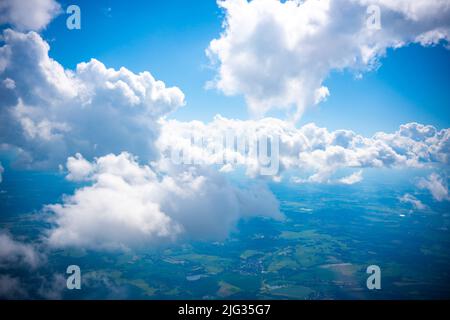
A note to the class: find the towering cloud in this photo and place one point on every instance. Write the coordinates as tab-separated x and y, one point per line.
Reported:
48	113
278	53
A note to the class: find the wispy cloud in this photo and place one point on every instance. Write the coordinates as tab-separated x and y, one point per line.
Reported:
410	199
436	185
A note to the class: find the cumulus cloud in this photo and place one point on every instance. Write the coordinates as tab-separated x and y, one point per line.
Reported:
127	205
15	254
278	53
52	113
308	149
27	15
353	178
410	199
436	185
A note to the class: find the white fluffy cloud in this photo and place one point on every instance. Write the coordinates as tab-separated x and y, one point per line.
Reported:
436	185
51	113
28	14
127	205
278	53
308	149
15	253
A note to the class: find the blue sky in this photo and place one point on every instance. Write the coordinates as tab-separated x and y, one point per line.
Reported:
169	39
